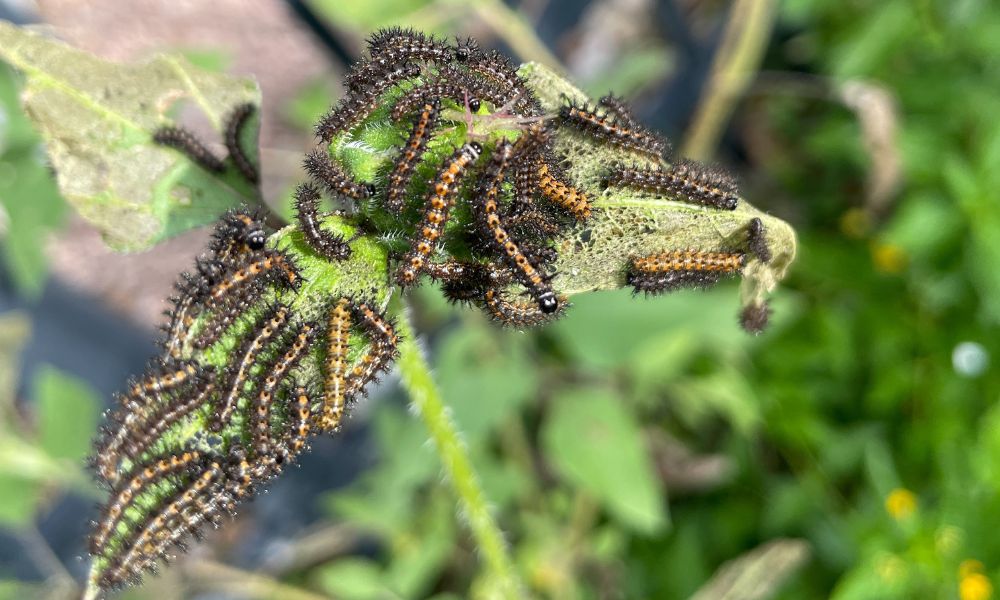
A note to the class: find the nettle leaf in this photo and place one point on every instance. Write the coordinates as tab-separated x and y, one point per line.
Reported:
98	119
594	443
622	225
67	414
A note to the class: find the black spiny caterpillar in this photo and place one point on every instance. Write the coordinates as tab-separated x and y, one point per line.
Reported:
496	186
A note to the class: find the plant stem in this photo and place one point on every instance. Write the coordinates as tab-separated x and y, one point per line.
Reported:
516	31
738	57
426	401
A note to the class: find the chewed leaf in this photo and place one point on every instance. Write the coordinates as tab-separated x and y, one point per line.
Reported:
624	224
98	119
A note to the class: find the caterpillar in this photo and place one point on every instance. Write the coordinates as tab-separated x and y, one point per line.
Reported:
235	123
274	372
517	314
146	475
436	209
452	84
689	181
190	146
325	243
267	263
383	349
362	101
225	313
497	68
299	426
410	155
173	519
137	432
623	134
238	372
569	198
334	389
328	174
669	271
757	240
489	217
755	317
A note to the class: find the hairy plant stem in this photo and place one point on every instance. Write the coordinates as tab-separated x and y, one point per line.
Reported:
426	402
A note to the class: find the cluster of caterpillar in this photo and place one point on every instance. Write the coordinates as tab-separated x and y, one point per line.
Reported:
530	201
257	414
518	197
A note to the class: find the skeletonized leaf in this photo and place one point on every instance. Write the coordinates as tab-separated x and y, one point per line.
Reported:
98	118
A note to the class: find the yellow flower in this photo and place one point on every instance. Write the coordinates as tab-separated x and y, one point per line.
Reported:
889	258
901	503
975	586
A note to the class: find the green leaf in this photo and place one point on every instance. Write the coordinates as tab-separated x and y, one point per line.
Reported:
482	382
97	119
726	393
419	556
368	15
19	498
611	329
19	590
354	579
23	176
67	413
309	104
593	443
594	255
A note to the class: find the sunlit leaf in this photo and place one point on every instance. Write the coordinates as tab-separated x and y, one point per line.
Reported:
593	443
97	119
67	414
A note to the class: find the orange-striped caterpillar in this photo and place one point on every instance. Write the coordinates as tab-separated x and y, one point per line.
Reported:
453	84
436	209
676	269
287	356
335	387
412	152
517	314
488	214
238	372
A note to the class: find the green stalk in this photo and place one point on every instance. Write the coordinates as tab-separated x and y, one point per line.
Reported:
425	398
744	41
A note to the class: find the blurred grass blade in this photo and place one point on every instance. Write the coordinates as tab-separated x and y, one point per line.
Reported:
97	119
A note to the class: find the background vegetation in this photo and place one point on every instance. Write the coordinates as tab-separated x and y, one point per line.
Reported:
637	448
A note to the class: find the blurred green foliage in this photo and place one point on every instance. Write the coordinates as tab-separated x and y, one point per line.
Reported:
28	197
864	422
